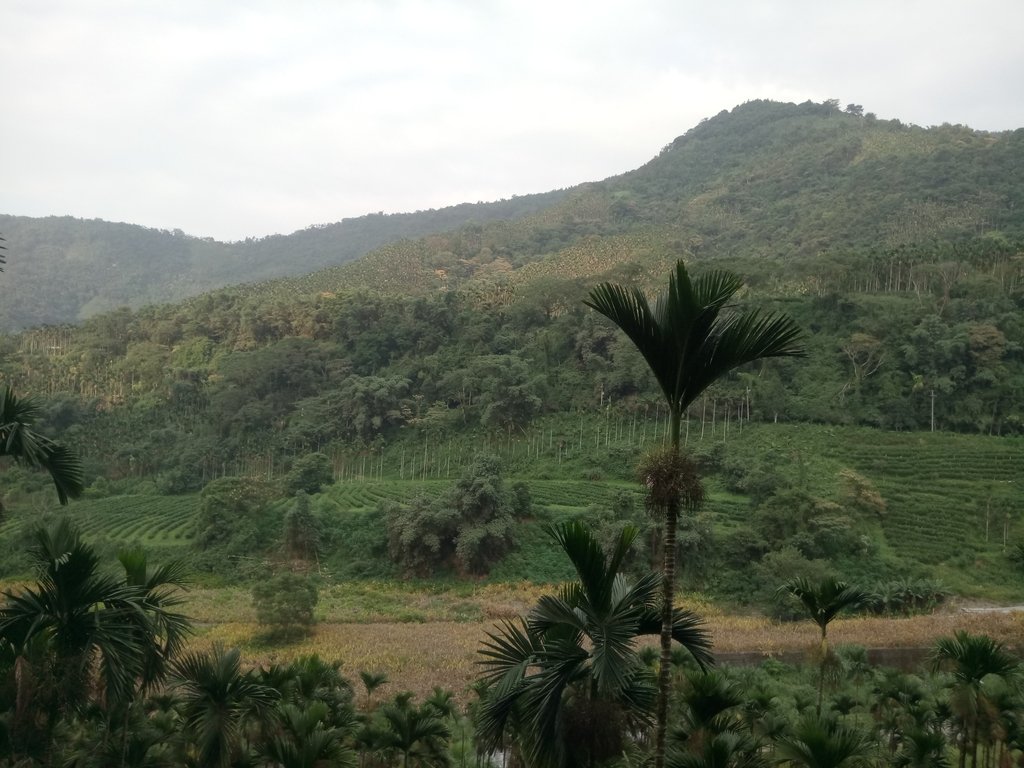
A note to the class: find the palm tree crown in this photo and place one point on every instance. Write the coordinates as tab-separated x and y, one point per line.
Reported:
81	611
687	338
825	600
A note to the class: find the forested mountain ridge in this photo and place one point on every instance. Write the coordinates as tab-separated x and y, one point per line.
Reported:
777	182
765	180
63	269
912	290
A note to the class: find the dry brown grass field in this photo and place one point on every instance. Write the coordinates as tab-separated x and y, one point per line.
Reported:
423	639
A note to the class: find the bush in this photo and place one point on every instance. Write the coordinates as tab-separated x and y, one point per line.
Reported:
284	604
468	528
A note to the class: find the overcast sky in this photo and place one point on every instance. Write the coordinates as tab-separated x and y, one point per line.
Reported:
235	119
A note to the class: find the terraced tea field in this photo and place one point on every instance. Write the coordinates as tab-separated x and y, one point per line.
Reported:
951	501
152	521
946	495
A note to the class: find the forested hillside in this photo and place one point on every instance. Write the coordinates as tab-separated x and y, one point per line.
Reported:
63	270
894	246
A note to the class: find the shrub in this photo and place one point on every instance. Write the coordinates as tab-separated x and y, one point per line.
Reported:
284	604
469	527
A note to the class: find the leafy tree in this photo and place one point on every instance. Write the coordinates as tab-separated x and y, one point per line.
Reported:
301	530
19	442
689	342
569	678
233	520
309	473
469	527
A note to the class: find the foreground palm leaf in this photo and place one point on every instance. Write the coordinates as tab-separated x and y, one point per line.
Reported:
818	743
18	441
687	339
218	699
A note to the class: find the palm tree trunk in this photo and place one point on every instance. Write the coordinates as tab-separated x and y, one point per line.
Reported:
668	575
668	595
822	650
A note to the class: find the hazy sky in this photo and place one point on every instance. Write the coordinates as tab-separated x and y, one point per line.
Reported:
236	119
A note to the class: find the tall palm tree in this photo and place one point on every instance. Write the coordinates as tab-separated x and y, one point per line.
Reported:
823	602
690	339
371	682
21	443
972	659
570	676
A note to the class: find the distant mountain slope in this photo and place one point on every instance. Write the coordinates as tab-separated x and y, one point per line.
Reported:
766	181
61	269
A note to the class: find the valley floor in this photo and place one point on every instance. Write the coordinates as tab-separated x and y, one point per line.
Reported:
425	639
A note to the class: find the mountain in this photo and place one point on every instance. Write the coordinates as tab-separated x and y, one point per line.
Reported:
766	180
63	270
782	184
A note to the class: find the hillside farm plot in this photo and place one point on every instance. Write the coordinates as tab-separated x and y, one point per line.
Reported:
152	521
367	494
945	494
